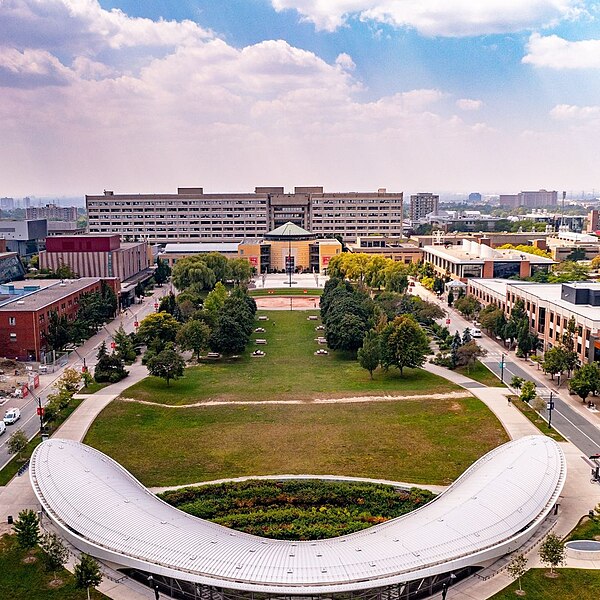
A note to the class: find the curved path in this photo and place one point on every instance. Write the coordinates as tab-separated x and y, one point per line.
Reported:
490	510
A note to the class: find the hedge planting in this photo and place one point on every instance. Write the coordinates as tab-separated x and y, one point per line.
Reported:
297	509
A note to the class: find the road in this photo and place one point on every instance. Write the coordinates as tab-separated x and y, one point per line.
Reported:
581	427
29	421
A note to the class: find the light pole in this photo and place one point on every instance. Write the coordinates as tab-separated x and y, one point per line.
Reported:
447	584
550	407
154	586
502	368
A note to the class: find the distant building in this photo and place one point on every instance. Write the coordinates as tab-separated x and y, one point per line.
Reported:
65	228
593	221
174	252
7	203
289	248
476	259
475	197
25	309
52	212
24	237
537	199
100	256
422	204
388	247
191	215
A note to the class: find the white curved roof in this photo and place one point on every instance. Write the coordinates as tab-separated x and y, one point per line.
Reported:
503	496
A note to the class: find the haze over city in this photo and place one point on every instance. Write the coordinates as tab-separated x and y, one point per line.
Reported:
351	95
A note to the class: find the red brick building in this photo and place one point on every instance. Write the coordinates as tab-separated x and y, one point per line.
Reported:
25	310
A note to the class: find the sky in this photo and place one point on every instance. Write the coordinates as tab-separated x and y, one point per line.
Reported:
141	96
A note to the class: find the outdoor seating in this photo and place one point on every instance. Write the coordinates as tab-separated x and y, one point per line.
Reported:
261	341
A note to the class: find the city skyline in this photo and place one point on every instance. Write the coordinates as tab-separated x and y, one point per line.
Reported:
348	94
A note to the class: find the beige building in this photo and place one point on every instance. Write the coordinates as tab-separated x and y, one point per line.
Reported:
388	247
289	248
174	252
422	204
192	215
549	306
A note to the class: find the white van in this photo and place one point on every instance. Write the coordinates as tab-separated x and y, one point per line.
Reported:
2	427
12	416
476	333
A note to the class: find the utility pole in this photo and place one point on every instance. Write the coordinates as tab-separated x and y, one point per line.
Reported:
550	407
502	368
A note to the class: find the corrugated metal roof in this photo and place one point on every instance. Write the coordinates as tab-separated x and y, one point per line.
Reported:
507	491
201	247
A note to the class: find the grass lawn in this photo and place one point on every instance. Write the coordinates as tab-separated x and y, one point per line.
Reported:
572	584
479	372
289	371
431	441
588	529
92	388
30	581
536	419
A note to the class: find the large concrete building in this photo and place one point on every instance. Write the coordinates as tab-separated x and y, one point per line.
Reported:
422	204
24	237
52	212
549	307
537	199
192	215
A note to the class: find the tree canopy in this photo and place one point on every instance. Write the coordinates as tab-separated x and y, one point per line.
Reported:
403	344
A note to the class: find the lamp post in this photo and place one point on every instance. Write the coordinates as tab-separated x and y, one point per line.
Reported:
154	586
502	368
447	584
550	407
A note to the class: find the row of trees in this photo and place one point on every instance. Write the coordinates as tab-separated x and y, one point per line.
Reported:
54	553
456	350
95	309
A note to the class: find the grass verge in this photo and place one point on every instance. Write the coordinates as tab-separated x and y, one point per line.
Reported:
92	388
30	581
289	371
297	509
536	419
10	469
588	529
479	372
571	584
421	441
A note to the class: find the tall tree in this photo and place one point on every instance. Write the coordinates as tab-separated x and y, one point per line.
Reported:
162	271
194	336
27	529
55	552
124	348
517	568
87	573
552	552
554	361
370	353
58	334
167	364
585	381
240	271
161	326
403	344
216	298
468	353
17	442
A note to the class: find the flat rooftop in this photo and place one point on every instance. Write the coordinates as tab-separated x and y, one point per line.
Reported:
459	254
52	291
201	247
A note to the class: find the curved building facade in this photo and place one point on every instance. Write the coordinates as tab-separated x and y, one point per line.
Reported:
489	511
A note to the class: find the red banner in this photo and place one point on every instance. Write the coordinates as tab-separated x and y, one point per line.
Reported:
253	260
326	260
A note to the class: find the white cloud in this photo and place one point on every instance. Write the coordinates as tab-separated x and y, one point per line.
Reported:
468	104
344	61
557	53
437	17
30	68
570	112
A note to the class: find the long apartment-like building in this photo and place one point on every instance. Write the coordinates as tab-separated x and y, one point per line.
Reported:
192	215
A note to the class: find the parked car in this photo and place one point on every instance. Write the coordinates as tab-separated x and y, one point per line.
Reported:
2	427
11	416
476	333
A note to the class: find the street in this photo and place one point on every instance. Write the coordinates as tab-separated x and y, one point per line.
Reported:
579	425
30	421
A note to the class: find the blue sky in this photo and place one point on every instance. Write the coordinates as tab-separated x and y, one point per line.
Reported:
411	95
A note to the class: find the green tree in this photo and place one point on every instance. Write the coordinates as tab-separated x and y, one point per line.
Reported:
554	361
552	551
516	382
17	443
450	297
577	254
27	529
194	336
65	272
124	348
517	568
193	270
239	270
87	573
568	271
161	326
167	364
396	277
370	353
528	392
467	305
468	353
58	334
216	298
110	369
403	344
376	272
170	305
162	272
492	319
585	381
55	552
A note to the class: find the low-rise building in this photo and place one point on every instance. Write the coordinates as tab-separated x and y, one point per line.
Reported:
100	255
174	252
528	238
65	228
549	307
388	247
25	309
566	245
26	238
476	259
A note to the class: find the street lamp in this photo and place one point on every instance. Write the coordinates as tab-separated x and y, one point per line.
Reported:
502	368
550	407
447	584
154	586
40	411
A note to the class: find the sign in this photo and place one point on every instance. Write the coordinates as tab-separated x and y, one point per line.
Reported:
25	391
40	411
325	260
113	345
253	260
447	321
36	381
156	305
136	324
289	264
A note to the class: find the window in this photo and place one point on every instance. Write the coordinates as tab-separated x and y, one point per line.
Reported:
13	337
12	321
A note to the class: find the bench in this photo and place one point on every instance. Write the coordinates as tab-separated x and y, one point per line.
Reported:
261	341
263	318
